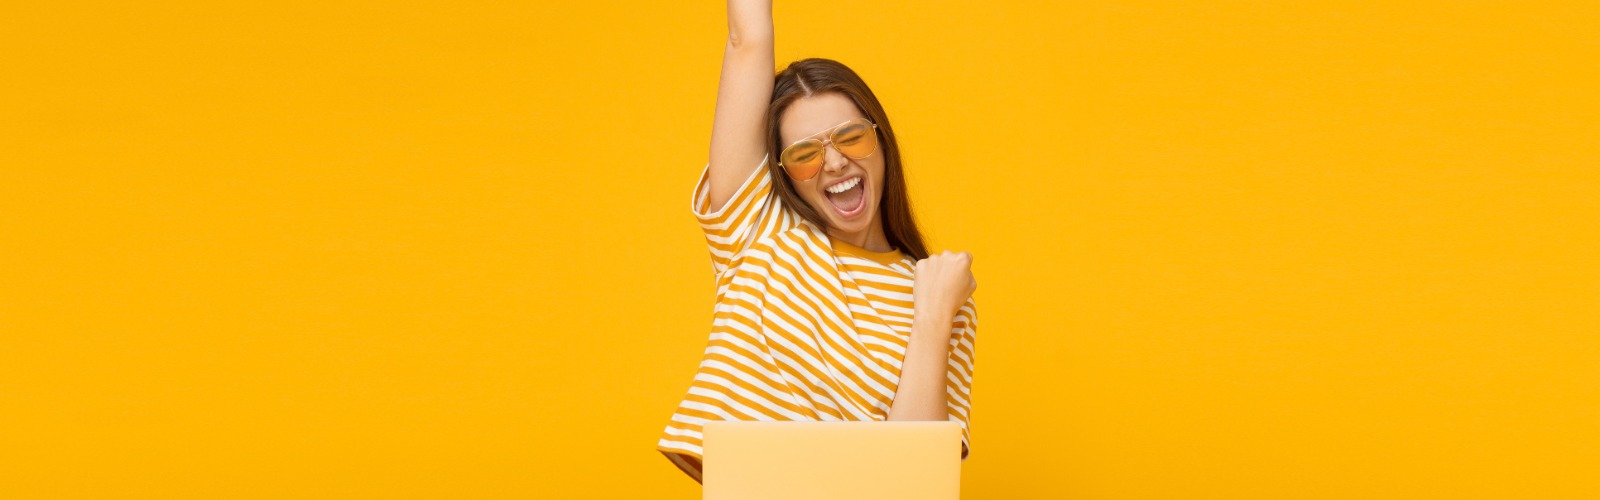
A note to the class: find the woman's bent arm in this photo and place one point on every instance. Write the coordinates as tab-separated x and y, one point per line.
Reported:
738	129
942	285
921	393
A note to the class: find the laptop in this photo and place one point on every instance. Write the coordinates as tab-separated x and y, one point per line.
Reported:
833	460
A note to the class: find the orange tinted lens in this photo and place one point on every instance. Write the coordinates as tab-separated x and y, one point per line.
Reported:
856	139
803	159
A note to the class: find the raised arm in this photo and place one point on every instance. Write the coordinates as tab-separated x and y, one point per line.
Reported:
739	127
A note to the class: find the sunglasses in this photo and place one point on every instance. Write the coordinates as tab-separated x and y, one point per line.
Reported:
855	139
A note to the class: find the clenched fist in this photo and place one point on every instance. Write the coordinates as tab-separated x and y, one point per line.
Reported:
943	283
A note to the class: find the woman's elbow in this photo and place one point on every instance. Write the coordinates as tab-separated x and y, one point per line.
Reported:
743	39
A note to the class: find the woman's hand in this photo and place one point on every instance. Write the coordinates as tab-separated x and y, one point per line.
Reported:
943	283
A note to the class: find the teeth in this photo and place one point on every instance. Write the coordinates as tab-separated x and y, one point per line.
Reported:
844	186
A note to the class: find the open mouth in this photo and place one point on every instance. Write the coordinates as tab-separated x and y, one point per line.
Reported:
848	197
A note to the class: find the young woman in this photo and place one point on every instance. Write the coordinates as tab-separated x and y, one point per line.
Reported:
828	306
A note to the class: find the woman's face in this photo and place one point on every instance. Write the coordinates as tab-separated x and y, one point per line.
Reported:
852	211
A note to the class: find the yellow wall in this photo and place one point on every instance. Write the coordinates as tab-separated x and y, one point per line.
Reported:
378	250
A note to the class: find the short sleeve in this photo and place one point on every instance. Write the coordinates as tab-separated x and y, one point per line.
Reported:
963	342
752	212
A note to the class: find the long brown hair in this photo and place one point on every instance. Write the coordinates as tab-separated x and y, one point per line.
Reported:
808	77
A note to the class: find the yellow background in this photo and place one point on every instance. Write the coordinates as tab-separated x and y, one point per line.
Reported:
401	249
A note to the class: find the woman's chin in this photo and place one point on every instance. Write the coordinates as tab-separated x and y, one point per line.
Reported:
853	225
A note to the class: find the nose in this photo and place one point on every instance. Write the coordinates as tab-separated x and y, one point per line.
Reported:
833	160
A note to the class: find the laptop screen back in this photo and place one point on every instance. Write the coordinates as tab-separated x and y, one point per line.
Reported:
855	459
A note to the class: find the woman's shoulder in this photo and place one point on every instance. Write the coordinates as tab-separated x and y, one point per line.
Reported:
754	213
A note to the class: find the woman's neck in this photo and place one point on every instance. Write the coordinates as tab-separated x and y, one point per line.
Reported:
872	238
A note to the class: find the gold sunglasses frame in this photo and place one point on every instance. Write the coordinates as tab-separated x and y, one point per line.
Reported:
828	141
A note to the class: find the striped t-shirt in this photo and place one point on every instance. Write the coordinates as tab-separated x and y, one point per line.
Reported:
805	327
